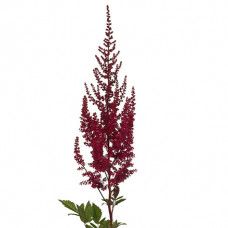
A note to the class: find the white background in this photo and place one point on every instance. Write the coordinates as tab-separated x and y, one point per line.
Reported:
176	55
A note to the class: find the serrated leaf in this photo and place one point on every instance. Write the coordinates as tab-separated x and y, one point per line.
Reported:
70	205
88	212
81	211
119	201
97	213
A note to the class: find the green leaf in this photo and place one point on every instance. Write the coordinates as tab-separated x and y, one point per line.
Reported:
88	226
88	212
117	224
70	205
81	211
104	224
102	220
105	200
119	197
119	201
96	213
93	225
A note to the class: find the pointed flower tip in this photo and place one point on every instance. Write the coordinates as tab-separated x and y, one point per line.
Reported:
84	98
108	10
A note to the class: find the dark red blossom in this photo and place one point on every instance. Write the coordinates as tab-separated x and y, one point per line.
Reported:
109	131
77	155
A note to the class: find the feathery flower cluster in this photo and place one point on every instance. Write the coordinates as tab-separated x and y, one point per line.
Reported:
109	133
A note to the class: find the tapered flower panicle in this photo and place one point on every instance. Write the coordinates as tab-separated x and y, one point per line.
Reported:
109	131
77	155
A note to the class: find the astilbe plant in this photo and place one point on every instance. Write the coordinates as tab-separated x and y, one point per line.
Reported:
108	133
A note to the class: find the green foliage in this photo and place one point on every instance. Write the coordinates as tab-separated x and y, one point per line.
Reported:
119	200
82	214
117	224
88	226
93	225
107	202
116	201
97	213
90	214
104	224
70	205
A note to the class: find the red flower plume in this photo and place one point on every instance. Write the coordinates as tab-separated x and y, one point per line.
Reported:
109	131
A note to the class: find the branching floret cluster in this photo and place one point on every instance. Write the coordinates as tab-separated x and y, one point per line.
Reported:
109	131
